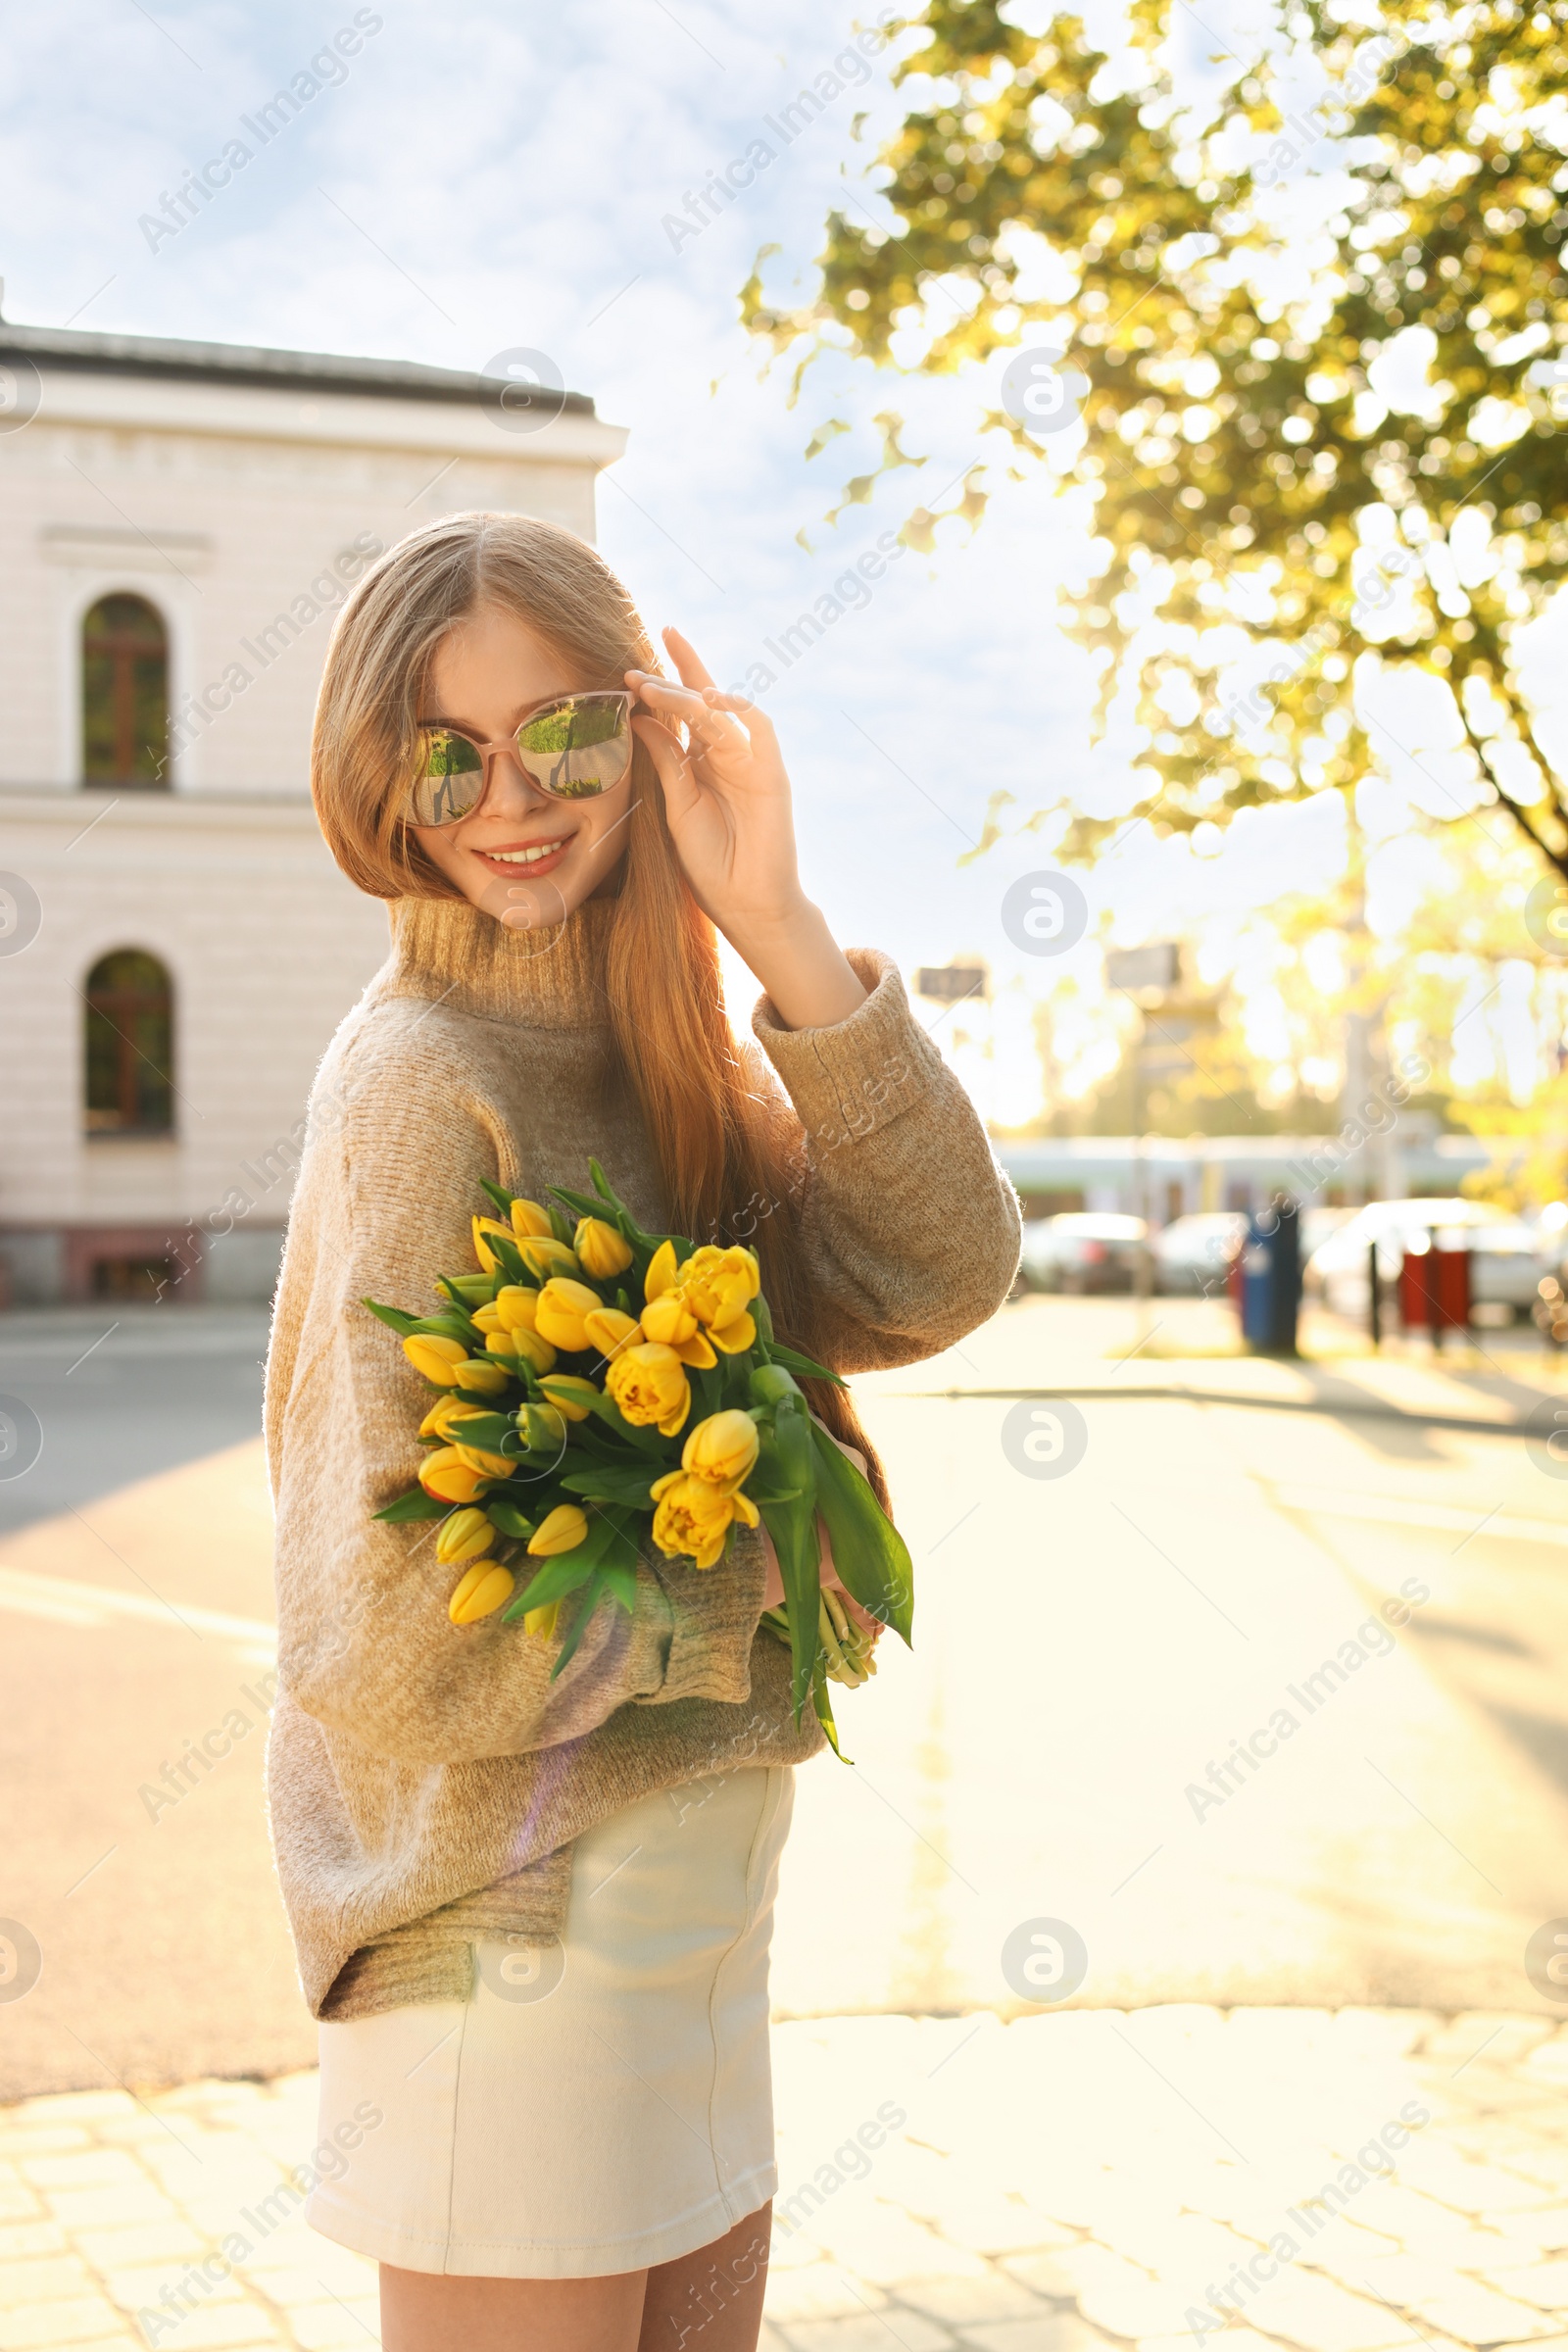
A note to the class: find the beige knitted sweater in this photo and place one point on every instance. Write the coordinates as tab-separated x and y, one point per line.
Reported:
425	1782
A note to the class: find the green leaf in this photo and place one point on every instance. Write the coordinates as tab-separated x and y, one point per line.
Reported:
414	1504
484	1429
509	1259
869	1554
394	1317
500	1199
508	1518
824	1711
613	1483
803	1365
579	1623
467	1290
621	1583
786	1461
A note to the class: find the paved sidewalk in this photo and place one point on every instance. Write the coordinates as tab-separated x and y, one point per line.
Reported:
1336	2182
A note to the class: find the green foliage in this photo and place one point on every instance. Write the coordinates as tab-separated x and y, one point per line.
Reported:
1234	438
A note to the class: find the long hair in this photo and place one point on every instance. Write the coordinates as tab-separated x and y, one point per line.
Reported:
725	1144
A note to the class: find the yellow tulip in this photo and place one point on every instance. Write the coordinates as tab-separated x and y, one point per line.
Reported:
662	1271
493	1465
531	1222
693	1517
562	1306
465	1536
733	1339
481	1247
571	1395
718	1284
649	1384
546	1257
541	1623
721	1450
695	1351
515	1310
485	1375
501	1343
669	1318
444	1416
562	1530
483	1589
535	1347
438	1359
488	1319
446	1475
609	1330
602	1251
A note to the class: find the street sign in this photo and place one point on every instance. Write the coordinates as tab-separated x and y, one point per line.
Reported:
1156	966
952	983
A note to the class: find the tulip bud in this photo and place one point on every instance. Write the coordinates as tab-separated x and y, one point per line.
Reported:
481	1247
531	1222
541	1428
465	1536
541	1622
562	1306
437	1360
547	1256
516	1308
447	1475
602	1249
571	1395
444	1416
534	1348
485	1375
483	1589
722	1450
562	1530
609	1330
492	1465
488	1319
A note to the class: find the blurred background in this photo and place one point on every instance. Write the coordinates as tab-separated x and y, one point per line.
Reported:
1120	453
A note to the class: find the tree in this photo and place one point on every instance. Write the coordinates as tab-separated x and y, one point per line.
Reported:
1323	456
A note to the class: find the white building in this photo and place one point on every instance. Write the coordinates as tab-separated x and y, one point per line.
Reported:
178	522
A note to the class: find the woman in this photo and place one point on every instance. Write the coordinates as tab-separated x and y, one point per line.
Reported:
533	1916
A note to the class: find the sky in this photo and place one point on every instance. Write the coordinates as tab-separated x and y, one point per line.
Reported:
492	177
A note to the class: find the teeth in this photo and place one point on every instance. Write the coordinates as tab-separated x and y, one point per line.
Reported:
542	849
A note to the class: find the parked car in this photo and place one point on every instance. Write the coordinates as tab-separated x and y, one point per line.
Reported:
1506	1263
1083	1249
1193	1252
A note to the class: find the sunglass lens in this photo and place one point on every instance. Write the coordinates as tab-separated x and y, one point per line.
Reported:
449	782
579	746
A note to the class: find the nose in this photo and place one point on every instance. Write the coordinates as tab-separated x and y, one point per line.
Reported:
510	791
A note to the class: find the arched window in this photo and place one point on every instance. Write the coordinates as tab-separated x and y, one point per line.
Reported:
130	1045
125	693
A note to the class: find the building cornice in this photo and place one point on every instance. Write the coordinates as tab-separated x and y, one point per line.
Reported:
163	385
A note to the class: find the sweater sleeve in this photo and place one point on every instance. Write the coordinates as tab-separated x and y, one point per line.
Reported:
366	1646
908	1231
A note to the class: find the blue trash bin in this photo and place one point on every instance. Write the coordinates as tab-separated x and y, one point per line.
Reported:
1271	1279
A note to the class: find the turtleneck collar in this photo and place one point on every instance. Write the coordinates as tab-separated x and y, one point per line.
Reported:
450	951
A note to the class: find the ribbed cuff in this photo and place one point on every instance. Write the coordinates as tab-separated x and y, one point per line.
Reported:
851	1079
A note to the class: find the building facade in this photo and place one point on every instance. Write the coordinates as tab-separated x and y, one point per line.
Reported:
179	523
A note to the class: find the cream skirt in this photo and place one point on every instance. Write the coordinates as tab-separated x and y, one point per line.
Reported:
596	2105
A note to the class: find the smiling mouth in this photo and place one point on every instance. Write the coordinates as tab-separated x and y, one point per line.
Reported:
526	854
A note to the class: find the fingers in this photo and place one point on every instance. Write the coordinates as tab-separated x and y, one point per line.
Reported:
684	656
671	764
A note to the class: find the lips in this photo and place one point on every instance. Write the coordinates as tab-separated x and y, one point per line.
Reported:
506	858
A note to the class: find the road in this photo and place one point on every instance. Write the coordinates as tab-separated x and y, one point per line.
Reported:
1093	1643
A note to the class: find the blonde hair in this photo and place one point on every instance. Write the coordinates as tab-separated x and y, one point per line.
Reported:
723	1150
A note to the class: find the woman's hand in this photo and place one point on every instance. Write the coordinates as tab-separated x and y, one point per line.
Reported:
727	802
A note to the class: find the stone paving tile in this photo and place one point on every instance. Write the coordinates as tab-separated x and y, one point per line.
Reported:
1081	2183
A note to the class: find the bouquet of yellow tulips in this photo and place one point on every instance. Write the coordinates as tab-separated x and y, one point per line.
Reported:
600	1387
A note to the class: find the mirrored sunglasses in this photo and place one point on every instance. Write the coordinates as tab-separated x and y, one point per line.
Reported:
573	747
